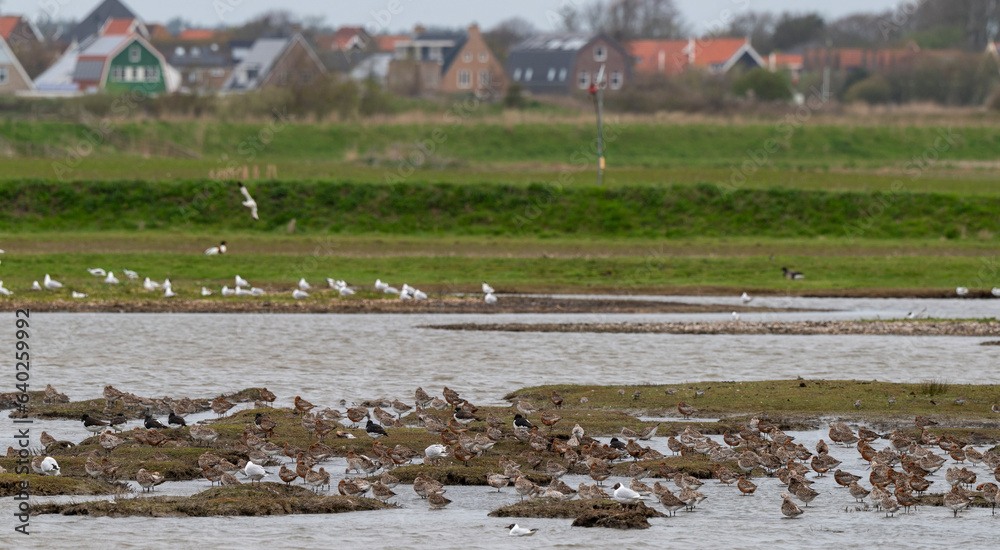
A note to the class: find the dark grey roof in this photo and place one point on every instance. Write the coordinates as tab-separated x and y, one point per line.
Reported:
451	53
539	63
210	59
93	22
87	71
342	61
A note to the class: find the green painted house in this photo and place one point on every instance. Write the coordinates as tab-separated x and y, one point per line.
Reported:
115	63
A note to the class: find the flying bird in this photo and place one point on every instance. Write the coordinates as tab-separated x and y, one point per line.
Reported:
249	202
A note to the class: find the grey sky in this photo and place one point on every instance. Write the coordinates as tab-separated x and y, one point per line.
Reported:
395	15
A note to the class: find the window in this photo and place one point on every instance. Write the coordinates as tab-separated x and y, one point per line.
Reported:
134	54
217	73
252	74
129	74
3	75
193	77
527	74
179	50
616	80
600	54
467	57
483	58
584	80
195	51
517	74
117	74
152	74
562	74
484	79
552	74
464	79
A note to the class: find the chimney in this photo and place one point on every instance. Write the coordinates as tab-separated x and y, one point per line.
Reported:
419	29
473	29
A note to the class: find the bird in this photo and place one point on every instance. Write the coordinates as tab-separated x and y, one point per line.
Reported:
216	250
205	292
35	285
521	422
303	285
111	279
857	404
152	423
240	281
435	451
203	433
299	294
995	292
132	275
490	299
226	291
173	419
249	202
150	285
254	472
344	291
145	479
995	408
110	441
302	405
93	424
96	271
625	495
746	298
76	294
487	289
50	467
169	292
736	316
4	291
374	430
51	283
518	531
792	274
437	500
685	409
962	291
789	508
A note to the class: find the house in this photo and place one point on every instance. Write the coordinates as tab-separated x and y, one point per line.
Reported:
672	57
95	21
203	57
845	60
111	62
791	62
26	43
387	42
13	78
446	62
346	39
275	62
560	63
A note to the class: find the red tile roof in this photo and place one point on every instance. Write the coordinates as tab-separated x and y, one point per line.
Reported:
118	26
387	42
7	25
343	36
658	56
787	59
716	51
196	34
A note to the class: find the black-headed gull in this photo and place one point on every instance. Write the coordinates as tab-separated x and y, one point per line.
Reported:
257	291
150	285
35	285
50	467
216	250
76	294
205	292
436	450
226	291
96	271
962	291
254	472
625	495
344	291
167	284
419	294
404	295
487	289
111	279
130	274
995	292
390	290
168	292
746	298
736	316
380	286
407	289
243	292
51	283
299	294
4	291
303	285
249	202
491	299
240	281
518	531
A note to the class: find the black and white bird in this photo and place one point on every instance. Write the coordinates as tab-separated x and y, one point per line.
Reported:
617	444
216	250
118	422
249	202
792	274
152	423
522	422
374	430
50	467
173	419
96	271
93	424
464	416
518	531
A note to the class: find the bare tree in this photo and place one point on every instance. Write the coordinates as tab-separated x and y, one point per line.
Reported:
758	26
628	19
506	34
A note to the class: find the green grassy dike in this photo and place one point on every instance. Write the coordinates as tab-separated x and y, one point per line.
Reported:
538	210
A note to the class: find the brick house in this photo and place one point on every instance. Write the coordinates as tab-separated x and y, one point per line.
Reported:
444	62
561	63
13	78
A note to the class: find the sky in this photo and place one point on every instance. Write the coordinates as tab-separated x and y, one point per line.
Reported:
402	15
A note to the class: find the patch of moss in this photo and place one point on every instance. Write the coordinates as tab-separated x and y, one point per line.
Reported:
43	486
585	513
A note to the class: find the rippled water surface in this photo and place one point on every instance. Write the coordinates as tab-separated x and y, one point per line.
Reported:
326	358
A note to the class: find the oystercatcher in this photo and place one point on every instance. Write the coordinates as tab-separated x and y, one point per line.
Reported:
174	419
374	430
152	423
522	422
92	424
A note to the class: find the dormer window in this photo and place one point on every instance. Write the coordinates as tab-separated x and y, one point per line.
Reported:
179	51
600	53
134	54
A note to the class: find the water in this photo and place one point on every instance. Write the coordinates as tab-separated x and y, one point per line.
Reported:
326	358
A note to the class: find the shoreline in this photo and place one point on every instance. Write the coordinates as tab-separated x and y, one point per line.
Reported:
803	328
